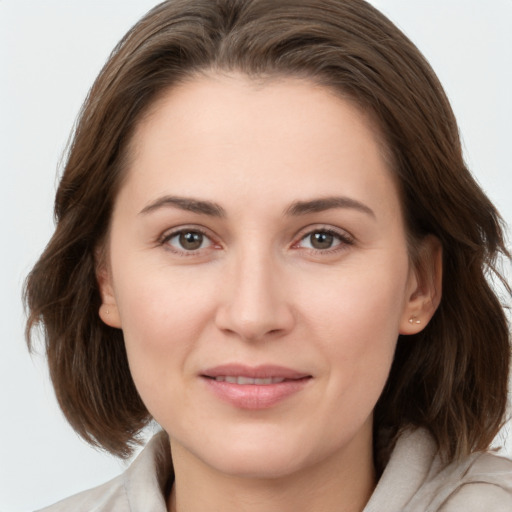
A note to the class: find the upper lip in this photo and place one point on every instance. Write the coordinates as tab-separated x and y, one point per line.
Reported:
254	372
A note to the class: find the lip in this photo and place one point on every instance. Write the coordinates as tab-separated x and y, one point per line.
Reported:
285	382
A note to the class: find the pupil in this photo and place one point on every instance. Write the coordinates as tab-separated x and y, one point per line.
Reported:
322	240
191	240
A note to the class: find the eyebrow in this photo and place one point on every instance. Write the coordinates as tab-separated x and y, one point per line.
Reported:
327	203
187	204
295	209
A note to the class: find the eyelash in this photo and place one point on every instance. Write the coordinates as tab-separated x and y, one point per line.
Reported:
343	240
168	236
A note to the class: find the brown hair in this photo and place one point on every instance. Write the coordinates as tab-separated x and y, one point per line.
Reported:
452	377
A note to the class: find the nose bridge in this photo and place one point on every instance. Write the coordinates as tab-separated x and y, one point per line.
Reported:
255	304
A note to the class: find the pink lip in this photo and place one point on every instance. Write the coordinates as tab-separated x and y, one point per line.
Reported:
254	396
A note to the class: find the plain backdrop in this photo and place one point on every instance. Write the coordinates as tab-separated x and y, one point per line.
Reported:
50	53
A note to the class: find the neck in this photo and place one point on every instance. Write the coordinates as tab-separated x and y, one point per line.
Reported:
342	482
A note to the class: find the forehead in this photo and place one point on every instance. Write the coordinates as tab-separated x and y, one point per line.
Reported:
251	134
212	96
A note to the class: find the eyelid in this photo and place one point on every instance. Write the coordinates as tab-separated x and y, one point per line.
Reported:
168	234
345	238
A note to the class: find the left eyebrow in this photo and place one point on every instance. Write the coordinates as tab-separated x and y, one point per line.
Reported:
327	203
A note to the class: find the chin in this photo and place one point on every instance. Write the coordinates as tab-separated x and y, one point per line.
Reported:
269	455
262	465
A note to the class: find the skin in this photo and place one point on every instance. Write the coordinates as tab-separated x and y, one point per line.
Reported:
260	289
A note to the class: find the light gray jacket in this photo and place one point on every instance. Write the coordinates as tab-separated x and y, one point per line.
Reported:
414	480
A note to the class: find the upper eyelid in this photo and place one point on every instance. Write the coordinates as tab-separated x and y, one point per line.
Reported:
345	241
169	233
342	233
164	239
300	235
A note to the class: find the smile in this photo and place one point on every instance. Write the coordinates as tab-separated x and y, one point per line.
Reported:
254	388
243	381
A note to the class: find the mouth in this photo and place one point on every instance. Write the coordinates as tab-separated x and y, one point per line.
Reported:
262	375
244	381
261	387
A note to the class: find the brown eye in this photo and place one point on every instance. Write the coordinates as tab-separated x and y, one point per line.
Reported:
324	240
188	240
321	240
191	240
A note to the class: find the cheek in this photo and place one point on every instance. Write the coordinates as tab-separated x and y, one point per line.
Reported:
357	325
161	329
158	305
360	301
162	316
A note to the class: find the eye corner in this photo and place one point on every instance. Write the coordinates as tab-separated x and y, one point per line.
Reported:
323	240
188	241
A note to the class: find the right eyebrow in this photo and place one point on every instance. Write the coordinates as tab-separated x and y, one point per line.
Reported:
185	203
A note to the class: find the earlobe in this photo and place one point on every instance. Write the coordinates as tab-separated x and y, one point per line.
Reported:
108	311
110	315
424	294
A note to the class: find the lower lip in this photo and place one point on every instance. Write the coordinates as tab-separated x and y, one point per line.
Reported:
253	396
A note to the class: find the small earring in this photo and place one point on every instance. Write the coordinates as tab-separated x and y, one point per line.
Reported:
414	320
107	312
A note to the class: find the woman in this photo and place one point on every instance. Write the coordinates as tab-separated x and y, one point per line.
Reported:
267	241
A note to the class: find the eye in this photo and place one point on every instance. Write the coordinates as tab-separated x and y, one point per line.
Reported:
324	240
187	240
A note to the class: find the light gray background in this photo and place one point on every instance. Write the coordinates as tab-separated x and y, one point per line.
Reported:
50	53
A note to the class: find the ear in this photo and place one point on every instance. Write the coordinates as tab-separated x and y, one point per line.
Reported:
424	287
108	311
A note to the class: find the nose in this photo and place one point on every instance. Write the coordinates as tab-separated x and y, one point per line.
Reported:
254	303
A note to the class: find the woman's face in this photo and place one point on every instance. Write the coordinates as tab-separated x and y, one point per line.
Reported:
259	271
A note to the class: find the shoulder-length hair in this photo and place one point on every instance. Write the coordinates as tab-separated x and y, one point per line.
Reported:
451	378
